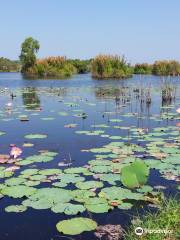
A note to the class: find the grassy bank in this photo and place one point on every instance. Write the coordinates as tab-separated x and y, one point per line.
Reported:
109	66
166	218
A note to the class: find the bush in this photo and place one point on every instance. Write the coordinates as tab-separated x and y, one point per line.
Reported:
82	66
52	67
143	68
7	65
166	68
108	66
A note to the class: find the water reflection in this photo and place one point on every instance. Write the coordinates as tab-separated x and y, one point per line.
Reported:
31	99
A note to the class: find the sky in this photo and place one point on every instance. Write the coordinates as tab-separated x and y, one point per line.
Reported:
141	30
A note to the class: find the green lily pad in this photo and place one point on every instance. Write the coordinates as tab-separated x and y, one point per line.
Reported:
39	204
36	136
125	206
16	208
76	226
18	191
89	184
97	205
135	174
68	208
14	181
49	172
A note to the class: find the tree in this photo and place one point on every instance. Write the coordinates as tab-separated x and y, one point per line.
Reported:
29	48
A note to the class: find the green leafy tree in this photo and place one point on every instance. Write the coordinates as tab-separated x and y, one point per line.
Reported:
29	48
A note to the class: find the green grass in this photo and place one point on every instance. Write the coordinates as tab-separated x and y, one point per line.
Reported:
166	218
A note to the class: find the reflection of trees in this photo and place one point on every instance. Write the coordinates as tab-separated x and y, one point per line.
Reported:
138	99
31	99
121	95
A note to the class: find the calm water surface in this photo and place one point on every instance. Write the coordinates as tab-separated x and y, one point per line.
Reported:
93	97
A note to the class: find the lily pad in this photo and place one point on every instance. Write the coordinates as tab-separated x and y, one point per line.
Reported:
36	136
16	208
89	184
18	191
135	174
76	226
68	208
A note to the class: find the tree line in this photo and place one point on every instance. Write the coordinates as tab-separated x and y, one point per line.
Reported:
7	65
102	66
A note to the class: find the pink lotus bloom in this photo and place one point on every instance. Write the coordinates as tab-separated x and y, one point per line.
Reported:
9	104
178	110
15	152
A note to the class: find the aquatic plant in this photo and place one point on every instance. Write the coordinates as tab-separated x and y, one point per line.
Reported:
53	67
109	66
76	226
143	68
168	92
166	68
82	66
134	175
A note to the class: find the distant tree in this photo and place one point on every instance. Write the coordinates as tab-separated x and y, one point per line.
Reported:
7	65
29	48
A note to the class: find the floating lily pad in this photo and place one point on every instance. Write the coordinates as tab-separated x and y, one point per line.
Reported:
135	175
16	208
18	191
36	136
89	184
68	208
97	205
76	226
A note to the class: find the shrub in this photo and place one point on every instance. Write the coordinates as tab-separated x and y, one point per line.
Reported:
143	68
7	65
82	66
166	68
52	67
109	66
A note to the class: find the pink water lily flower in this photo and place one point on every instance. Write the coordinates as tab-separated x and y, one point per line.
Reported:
9	104
15	152
178	110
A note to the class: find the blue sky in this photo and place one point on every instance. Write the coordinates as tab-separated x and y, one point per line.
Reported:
142	30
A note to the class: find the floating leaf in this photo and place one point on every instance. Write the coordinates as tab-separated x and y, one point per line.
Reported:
68	208
76	226
89	185
36	136
16	208
97	205
135	174
18	191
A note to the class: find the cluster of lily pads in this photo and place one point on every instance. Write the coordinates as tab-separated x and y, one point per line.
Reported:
115	177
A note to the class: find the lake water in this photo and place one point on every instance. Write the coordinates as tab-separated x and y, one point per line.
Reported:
90	105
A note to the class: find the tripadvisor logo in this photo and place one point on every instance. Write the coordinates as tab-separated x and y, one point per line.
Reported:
139	231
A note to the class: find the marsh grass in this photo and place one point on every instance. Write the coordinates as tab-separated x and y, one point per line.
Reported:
110	66
52	67
166	218
166	68
168	93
